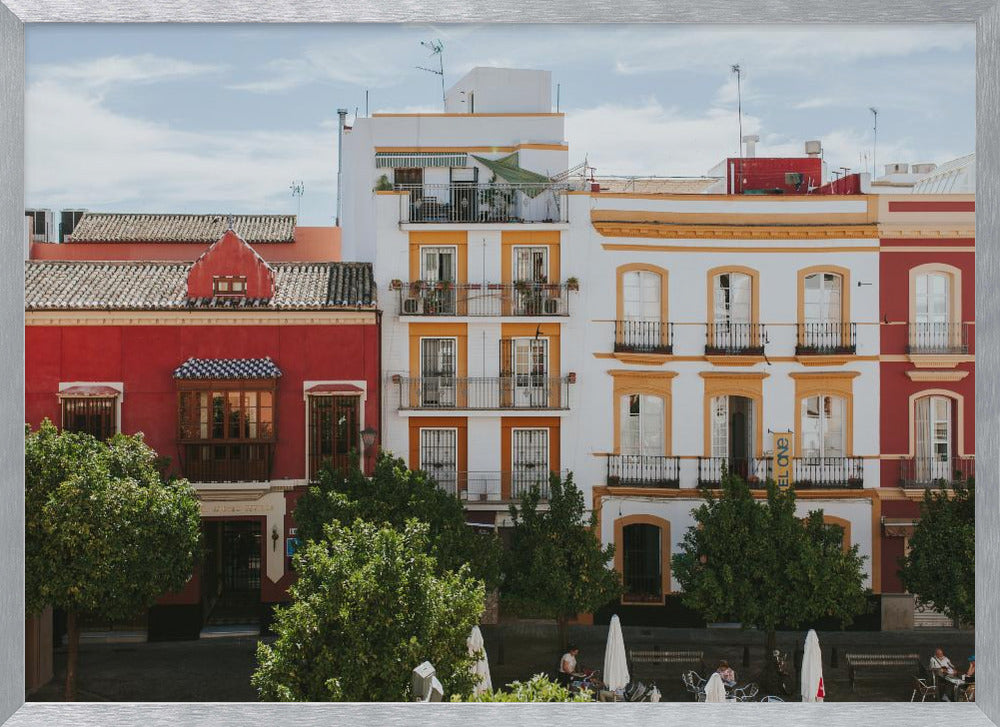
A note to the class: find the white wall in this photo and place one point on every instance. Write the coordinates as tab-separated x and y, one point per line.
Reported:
501	90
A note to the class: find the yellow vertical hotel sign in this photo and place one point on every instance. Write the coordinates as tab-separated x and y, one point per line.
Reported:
784	443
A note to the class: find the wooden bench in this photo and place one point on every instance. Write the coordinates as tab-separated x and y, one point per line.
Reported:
654	657
868	661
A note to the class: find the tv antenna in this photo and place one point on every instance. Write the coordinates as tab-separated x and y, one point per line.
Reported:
298	188
739	113
875	142
437	49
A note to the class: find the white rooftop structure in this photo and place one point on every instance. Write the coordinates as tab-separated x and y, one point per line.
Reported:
955	177
501	90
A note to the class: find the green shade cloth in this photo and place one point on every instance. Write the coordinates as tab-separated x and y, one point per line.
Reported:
507	169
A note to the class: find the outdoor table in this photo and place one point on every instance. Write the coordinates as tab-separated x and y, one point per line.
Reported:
956	682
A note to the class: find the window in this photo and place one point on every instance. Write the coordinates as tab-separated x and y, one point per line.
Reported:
439	457
437	264
823	434
91	415
333	432
732	297
932	418
932	310
226	433
822	298
529	460
524	363
531	264
642	425
642	575
229	285
641	328
437	372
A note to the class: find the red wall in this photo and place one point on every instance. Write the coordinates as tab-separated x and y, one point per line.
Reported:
229	255
769	173
144	358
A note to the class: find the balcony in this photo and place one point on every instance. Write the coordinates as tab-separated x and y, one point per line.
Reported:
825	339
938	338
515	392
226	462
644	337
807	472
752	470
483	300
735	339
935	471
493	486
640	470
472	203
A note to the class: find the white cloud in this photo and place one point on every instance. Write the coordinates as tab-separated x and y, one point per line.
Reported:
101	73
817	102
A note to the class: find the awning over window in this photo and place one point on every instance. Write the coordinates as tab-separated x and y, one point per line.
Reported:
227	368
894	527
89	390
332	389
401	159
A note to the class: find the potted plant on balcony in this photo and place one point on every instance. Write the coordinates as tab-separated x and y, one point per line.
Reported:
395	284
855	482
753	481
614	480
383	184
572	283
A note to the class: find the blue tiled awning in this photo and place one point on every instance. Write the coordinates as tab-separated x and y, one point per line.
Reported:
227	368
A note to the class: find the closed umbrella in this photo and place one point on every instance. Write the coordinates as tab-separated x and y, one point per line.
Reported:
715	690
615	666
481	668
812	670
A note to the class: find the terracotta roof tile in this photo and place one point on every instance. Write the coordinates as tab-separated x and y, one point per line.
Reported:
127	227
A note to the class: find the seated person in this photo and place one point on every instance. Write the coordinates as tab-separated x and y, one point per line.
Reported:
970	675
942	663
567	665
727	674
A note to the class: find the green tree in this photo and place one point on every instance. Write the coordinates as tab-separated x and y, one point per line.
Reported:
392	496
537	689
369	605
940	568
104	534
555	566
758	563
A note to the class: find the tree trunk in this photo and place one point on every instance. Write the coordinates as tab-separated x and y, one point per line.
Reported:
73	635
563	623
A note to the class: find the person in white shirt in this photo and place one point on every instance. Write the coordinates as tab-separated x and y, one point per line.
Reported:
568	663
942	662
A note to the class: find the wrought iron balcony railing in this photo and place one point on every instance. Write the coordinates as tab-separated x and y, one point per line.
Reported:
644	337
208	461
641	470
752	470
482	203
495	486
742	339
938	338
826	338
935	471
421	298
517	391
807	472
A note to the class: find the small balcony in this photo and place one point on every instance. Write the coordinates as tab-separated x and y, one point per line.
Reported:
514	392
496	486
752	470
523	299
936	471
735	339
818	473
644	337
220	461
640	470
825	339
472	203
938	338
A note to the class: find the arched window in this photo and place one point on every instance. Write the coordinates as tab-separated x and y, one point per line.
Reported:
642	425
642	575
822	298
933	438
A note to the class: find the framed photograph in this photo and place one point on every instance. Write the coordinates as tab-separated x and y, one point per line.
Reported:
543	353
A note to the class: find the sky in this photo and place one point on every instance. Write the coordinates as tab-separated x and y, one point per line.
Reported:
222	119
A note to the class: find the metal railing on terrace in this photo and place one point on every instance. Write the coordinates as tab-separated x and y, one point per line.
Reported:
938	338
517	391
935	471
745	339
483	203
494	486
642	470
420	298
644	337
826	338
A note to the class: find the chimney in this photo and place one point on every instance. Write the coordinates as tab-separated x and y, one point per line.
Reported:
923	168
751	141
814	148
897	168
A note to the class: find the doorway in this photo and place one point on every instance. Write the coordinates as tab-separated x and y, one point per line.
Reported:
232	569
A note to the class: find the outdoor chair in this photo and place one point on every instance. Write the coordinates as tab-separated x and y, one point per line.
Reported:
689	684
968	694
772	698
746	693
924	689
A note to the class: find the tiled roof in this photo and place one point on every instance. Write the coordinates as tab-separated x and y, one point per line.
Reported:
119	227
227	368
142	285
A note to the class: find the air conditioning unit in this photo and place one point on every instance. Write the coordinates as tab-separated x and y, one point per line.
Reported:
793	179
413	306
551	306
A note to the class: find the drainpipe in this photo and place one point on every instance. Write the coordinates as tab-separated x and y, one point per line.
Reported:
342	113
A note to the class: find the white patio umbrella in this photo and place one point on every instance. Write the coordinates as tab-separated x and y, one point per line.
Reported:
481	668
812	670
715	690
615	666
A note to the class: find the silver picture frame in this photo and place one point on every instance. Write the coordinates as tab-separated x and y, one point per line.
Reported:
14	14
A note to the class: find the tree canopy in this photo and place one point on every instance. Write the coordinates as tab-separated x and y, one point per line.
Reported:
940	569
104	534
756	562
369	605
555	566
392	496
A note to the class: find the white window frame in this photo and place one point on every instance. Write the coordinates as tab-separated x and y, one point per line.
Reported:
118	386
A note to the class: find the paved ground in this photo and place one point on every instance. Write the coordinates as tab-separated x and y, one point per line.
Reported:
219	669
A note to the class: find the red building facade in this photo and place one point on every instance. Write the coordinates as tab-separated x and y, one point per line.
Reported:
247	375
927	284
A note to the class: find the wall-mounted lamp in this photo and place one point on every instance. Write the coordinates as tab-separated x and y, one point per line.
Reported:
274	537
860	283
368	435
